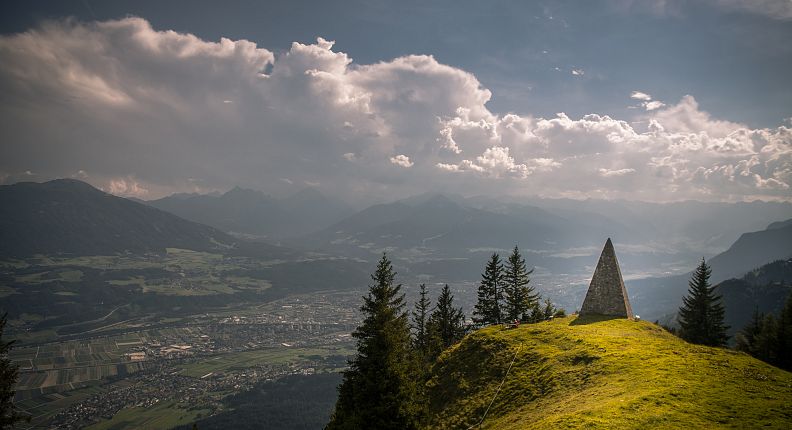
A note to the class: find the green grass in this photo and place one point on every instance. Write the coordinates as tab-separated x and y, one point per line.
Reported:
247	359
162	416
599	373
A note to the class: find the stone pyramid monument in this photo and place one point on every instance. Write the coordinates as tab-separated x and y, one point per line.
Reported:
606	294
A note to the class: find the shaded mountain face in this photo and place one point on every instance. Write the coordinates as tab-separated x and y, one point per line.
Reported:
70	217
659	297
255	213
764	289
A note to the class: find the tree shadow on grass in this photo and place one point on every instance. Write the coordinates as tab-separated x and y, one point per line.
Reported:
593	318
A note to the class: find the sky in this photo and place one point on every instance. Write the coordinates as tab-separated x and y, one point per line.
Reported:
373	101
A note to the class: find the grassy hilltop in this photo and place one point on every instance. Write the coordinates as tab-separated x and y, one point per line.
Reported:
597	373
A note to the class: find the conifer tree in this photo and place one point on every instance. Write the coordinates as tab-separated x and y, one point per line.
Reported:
769	338
765	347
519	296
420	317
446	324
379	389
9	372
701	315
746	339
490	294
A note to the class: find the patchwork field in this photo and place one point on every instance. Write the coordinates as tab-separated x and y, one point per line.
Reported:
57	367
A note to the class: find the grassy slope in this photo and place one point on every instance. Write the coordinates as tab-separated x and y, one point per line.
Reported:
599	373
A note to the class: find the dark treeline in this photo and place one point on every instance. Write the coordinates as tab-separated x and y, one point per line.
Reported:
701	321
769	338
291	402
384	387
9	373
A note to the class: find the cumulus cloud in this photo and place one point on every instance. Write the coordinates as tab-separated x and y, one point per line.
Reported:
401	160
578	72
147	111
126	187
646	101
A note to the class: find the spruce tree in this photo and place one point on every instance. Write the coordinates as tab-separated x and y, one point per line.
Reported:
488	307
379	389
519	296
420	317
765	347
446	324
701	315
9	372
746	339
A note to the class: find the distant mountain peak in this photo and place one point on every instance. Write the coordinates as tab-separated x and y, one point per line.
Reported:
68	216
67	183
780	224
240	193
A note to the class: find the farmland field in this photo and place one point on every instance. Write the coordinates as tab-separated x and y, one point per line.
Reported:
246	359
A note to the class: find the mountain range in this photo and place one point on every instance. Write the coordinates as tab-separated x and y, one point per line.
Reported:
70	217
431	236
444	229
658	298
253	213
454	234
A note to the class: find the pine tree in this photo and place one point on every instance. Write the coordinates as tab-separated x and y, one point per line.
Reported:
519	296
765	344
420	320
746	339
9	372
549	310
379	389
446	324
701	315
488	308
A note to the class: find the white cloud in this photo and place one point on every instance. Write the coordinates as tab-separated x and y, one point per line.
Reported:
686	117
496	162
126	187
143	111
578	72
401	160
620	172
